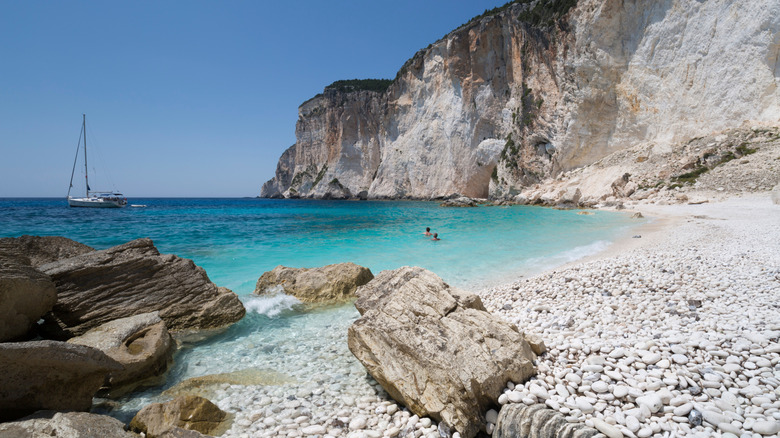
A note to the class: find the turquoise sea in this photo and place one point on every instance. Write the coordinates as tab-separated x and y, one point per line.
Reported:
236	240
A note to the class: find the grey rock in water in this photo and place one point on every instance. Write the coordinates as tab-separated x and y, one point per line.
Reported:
141	343
435	349
327	284
65	425
50	375
537	421
26	294
134	278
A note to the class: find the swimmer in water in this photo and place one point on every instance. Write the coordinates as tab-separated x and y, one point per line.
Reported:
435	236
427	231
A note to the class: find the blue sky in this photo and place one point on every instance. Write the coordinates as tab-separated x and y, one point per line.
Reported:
185	98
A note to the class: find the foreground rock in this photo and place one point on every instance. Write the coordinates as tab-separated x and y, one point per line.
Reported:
187	412
26	294
44	249
134	278
332	283
537	421
140	343
50	375
435	349
65	425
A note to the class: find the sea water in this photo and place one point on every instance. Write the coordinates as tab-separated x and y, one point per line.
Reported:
236	240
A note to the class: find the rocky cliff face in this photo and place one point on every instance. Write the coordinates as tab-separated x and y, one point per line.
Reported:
515	98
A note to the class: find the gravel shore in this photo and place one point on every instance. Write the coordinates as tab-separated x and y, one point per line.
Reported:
671	334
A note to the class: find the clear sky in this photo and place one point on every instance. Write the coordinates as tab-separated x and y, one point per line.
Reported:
186	98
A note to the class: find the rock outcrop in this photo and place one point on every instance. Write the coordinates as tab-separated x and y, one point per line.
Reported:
435	349
327	284
187	412
26	294
533	90
134	278
537	421
50	375
43	249
65	425
141	343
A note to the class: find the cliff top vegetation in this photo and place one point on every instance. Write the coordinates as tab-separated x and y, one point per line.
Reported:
346	86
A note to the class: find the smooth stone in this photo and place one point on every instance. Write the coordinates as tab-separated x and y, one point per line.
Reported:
713	417
683	410
652	401
316	429
358	423
632	423
584	406
620	391
599	387
729	428
651	358
695	418
607	429
491	416
515	397
766	427
573	378
644	432
680	359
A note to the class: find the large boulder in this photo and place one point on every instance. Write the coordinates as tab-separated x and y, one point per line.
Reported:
435	349
328	284
188	412
50	375
141	343
65	425
134	278
26	294
537	421
44	249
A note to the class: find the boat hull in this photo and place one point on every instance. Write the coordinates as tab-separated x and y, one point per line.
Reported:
96	203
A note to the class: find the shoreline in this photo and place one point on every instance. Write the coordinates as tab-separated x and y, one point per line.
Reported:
686	317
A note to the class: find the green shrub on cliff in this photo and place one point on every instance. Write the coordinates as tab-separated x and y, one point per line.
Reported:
346	86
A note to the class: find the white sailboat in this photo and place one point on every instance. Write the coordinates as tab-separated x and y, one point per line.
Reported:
95	199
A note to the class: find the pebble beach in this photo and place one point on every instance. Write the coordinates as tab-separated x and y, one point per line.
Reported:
672	334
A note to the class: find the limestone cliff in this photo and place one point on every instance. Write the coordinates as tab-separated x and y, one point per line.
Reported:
535	89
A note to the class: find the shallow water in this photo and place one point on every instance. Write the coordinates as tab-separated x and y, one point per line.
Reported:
236	240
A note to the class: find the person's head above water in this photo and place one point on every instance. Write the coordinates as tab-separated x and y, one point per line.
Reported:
435	236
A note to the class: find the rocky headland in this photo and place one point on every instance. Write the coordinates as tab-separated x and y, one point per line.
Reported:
526	95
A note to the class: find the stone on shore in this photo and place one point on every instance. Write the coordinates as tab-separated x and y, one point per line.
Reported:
43	249
519	420
50	375
65	425
141	343
188	412
434	349
327	284
26	294
134	278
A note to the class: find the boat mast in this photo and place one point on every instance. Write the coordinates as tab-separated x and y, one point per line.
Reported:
86	172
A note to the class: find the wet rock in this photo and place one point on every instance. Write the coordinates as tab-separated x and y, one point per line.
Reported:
328	284
462	201
434	349
134	278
